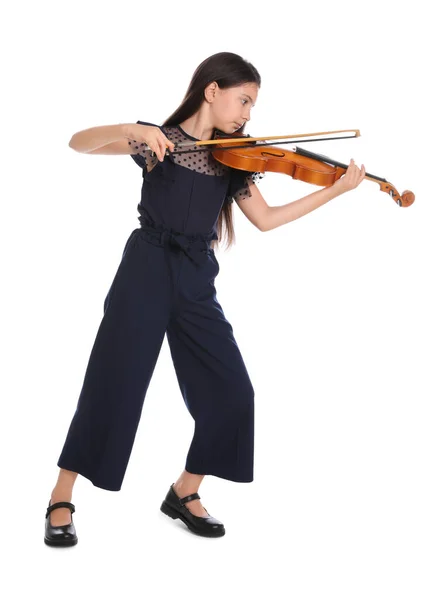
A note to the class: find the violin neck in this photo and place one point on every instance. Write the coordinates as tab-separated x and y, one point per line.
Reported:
331	161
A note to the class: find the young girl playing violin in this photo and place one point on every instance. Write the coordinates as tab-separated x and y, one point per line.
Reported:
165	285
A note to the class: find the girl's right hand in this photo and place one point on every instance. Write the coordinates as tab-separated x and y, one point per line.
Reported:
150	135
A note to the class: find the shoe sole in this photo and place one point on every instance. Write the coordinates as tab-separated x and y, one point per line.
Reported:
60	542
174	514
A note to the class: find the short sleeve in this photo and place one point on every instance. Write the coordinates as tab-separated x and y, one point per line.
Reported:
143	157
239	184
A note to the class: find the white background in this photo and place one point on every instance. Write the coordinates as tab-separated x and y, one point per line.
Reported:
336	313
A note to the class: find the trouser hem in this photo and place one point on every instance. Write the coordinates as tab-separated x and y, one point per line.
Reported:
220	474
94	480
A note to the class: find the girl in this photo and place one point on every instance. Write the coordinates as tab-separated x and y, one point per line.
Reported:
165	284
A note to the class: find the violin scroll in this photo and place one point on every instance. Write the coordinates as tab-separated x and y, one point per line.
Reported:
405	199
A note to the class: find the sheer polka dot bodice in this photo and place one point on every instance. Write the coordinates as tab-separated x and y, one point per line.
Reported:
196	159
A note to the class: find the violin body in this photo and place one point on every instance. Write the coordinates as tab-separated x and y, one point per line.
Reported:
299	164
270	158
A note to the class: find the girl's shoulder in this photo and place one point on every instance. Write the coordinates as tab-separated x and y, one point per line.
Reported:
191	156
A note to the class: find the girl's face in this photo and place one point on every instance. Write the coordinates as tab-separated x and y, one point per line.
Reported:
231	107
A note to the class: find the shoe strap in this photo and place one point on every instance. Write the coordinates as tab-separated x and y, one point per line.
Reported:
62	504
194	496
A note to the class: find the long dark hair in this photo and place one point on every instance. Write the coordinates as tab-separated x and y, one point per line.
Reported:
228	70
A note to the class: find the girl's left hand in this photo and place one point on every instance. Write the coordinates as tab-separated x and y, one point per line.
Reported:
352	178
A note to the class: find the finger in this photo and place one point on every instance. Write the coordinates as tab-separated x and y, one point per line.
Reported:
158	150
167	144
361	174
162	149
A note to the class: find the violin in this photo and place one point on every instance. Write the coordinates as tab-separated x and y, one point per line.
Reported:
299	164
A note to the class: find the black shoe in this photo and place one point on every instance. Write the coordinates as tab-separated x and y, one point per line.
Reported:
60	535
174	507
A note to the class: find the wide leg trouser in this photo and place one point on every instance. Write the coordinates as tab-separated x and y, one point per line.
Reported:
159	289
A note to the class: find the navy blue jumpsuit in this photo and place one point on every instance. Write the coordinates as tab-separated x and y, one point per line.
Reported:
165	283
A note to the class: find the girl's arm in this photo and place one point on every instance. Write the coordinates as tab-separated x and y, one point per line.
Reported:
104	139
269	217
279	215
266	217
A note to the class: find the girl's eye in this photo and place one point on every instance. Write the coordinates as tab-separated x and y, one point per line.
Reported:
244	100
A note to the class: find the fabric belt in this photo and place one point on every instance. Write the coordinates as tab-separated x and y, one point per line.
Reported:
195	246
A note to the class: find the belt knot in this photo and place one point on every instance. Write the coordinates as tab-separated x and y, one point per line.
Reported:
193	245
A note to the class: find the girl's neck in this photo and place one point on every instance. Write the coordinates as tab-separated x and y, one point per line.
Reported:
195	128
